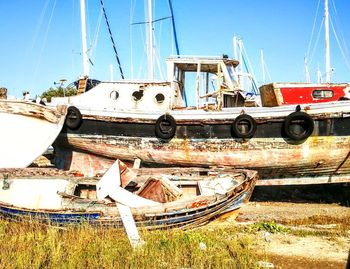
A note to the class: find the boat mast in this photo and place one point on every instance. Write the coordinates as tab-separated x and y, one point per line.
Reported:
150	41
86	64
306	67
262	65
326	26
235	47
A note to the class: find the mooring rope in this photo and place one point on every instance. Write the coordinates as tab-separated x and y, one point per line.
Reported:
111	36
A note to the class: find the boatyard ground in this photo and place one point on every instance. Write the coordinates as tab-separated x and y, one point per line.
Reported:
282	227
300	226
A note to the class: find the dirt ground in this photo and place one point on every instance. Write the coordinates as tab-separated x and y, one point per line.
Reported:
311	245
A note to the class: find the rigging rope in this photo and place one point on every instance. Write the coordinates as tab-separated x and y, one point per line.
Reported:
34	77
248	65
337	28
132	8
340	47
317	39
111	36
313	29
97	31
255	87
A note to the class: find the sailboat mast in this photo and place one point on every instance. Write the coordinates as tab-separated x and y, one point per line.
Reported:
235	47
150	41
86	64
328	58
262	65
306	68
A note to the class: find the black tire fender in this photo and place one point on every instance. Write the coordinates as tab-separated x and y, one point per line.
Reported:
246	120
305	122
165	127
73	118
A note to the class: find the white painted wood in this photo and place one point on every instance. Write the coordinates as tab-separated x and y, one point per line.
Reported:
109	185
33	193
137	163
109	182
24	137
197	84
129	225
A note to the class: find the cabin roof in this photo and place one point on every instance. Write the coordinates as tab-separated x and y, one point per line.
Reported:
208	64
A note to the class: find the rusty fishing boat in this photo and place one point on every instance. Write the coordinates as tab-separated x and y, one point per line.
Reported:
169	198
149	120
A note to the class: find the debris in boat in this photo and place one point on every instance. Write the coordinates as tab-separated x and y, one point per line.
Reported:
216	186
160	190
110	186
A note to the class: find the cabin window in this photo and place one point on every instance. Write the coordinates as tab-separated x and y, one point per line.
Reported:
160	98
322	94
114	95
137	95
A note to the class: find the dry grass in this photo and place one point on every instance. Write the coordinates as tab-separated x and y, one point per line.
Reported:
27	245
320	220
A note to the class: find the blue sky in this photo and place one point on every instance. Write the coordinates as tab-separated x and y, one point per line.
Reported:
41	40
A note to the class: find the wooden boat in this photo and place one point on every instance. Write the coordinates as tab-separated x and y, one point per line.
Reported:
28	129
180	198
298	143
304	143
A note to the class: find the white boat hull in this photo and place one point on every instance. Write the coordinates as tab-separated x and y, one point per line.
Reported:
28	129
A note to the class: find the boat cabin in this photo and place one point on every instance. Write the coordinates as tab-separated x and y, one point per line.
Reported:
213	80
212	83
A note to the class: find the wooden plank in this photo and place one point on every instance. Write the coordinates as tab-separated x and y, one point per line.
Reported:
129	225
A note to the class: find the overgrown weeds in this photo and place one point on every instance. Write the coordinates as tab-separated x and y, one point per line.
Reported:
28	245
271	227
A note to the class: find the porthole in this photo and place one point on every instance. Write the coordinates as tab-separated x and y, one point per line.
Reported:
114	95
160	98
137	95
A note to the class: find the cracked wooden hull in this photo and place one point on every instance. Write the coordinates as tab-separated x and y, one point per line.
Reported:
59	201
273	159
276	157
